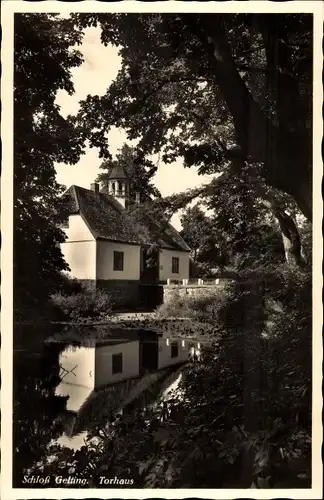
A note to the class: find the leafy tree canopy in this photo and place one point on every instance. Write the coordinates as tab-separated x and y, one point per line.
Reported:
239	231
210	88
199	233
43	59
195	227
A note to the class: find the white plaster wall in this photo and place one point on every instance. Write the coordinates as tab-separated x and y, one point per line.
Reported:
78	395
81	257
78	230
105	261
79	249
103	363
80	363
165	352
165	263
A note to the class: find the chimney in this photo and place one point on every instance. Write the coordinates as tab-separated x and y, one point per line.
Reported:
137	198
94	187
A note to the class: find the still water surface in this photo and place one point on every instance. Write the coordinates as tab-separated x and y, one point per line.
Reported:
80	378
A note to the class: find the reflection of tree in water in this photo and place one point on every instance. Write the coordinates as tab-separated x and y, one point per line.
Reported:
36	407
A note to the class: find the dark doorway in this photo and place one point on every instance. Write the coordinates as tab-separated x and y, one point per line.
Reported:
151	296
149	351
174	350
149	265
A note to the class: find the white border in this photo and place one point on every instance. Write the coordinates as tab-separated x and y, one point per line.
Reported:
9	7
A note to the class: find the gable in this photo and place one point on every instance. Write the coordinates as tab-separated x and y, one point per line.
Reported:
77	229
102	214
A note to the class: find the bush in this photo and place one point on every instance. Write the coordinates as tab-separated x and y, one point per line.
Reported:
201	308
70	286
177	308
85	304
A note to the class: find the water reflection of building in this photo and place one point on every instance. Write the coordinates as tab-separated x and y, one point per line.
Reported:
107	375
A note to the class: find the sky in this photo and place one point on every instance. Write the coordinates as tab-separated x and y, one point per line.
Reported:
99	69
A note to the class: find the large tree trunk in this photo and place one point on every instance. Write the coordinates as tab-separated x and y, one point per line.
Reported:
286	155
289	231
291	112
290	238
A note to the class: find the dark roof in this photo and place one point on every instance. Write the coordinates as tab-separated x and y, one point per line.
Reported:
117	172
102	214
107	219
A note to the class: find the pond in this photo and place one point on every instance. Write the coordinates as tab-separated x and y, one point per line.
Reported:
70	382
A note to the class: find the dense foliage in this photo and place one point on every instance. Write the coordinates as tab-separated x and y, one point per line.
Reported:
43	60
198	232
85	304
209	88
247	224
190	306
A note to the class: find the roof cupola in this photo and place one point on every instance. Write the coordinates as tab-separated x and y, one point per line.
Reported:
118	185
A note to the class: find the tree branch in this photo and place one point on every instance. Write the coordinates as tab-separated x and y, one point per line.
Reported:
282	152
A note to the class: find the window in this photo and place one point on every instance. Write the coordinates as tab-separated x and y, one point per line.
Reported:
117	363
175	265
174	350
118	261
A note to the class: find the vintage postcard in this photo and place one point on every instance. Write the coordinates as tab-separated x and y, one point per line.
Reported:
161	249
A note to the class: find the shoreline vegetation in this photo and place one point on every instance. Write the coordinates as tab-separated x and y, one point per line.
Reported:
77	305
234	408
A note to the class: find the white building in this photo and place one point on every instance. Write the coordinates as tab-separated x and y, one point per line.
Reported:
102	379
107	246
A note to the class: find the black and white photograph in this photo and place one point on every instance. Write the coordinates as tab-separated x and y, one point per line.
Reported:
160	203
